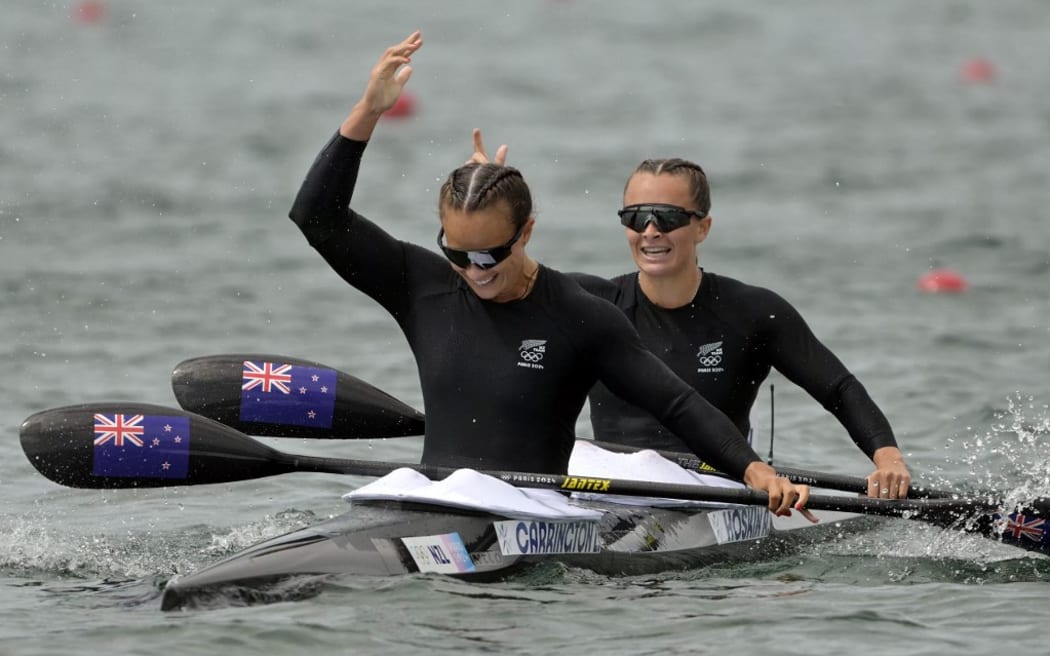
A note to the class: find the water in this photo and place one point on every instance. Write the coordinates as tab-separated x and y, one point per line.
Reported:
148	161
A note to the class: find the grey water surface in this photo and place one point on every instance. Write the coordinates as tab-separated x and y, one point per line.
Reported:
149	153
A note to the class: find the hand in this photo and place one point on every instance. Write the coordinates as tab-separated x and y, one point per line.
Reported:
390	74
783	494
481	157
891	478
388	78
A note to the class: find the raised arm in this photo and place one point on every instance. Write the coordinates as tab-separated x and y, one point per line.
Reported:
360	251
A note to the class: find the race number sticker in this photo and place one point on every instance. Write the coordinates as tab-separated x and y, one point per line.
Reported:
443	554
739	524
524	538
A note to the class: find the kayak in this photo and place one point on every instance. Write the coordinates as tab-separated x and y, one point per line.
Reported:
380	538
475	527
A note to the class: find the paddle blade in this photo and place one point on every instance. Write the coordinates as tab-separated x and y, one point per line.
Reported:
117	445
278	396
1026	526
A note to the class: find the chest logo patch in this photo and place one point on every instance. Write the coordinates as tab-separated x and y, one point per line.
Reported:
531	353
710	357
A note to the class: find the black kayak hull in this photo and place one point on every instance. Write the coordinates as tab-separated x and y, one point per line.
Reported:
391	538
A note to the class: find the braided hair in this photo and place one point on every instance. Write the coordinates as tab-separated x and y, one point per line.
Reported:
475	187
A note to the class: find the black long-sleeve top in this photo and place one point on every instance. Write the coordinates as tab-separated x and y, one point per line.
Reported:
724	344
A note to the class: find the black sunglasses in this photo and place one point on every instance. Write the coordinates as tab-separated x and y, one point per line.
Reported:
666	217
483	259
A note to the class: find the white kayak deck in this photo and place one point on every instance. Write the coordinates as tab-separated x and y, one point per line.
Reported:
470	490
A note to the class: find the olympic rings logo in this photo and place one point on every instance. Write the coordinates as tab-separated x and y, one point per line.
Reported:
531	356
710	360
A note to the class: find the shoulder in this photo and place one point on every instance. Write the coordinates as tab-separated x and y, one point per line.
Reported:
610	290
592	324
743	296
616	290
752	309
591	283
576	298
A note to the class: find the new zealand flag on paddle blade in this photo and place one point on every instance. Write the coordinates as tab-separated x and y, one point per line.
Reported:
274	393
141	446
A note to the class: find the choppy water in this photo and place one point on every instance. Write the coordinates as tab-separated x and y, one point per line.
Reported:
147	162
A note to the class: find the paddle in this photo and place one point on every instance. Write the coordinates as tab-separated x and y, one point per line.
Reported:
289	397
212	386
129	445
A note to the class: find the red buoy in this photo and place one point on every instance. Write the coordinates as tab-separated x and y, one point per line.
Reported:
977	71
942	280
403	108
88	11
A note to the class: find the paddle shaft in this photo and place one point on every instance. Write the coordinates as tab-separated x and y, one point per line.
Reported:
928	508
800	476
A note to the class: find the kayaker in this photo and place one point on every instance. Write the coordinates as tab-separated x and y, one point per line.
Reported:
507	348
720	335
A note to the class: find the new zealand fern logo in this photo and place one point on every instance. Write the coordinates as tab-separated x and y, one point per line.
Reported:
531	352
710	356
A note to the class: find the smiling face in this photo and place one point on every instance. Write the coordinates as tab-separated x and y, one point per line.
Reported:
664	254
487	229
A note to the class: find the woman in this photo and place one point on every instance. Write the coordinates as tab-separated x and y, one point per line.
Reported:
507	349
718	334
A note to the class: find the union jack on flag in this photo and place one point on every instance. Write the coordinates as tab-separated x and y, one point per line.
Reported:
118	428
1018	526
267	376
141	446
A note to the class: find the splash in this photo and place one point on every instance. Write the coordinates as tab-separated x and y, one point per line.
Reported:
34	546
1010	459
242	537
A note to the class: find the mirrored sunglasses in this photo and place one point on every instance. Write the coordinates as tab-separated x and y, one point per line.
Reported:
483	259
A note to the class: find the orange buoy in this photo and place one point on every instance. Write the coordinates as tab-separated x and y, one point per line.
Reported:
940	281
978	71
403	108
